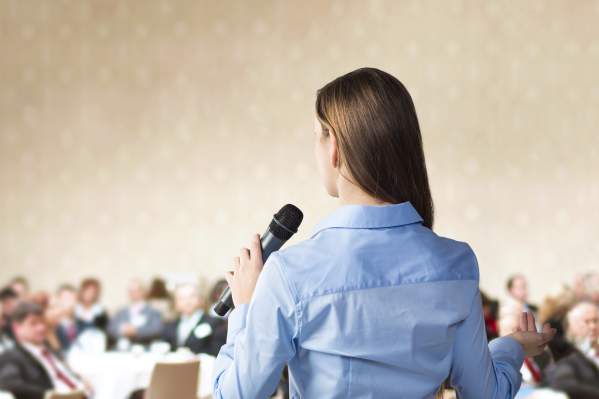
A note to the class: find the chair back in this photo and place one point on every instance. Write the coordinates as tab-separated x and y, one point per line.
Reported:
70	395
174	380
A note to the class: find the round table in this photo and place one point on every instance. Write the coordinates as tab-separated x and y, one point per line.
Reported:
114	375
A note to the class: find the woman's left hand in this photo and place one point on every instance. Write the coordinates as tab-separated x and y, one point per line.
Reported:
532	342
247	268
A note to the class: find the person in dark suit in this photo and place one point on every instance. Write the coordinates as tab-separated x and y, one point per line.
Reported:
8	301
30	369
577	374
194	328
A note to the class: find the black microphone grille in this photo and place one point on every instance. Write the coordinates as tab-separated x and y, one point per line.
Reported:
285	222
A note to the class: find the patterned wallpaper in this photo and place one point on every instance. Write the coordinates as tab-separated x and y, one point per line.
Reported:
146	137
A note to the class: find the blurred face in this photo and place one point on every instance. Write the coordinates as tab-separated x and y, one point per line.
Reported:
519	289
8	305
187	300
325	150
136	291
584	322
20	288
510	319
66	299
32	330
89	294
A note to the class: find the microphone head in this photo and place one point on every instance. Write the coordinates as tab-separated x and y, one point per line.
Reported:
285	222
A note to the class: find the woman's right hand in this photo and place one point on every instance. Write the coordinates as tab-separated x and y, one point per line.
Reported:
532	341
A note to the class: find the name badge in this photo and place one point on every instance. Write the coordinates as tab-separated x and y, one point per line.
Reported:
202	331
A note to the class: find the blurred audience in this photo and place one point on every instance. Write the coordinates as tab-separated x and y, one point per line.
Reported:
490	313
586	287
30	369
88	311
160	299
33	326
42	298
578	373
553	311
8	302
517	288
21	286
138	322
61	315
194	328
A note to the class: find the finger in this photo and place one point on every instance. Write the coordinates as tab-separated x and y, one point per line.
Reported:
244	254
236	263
256	249
530	321
523	322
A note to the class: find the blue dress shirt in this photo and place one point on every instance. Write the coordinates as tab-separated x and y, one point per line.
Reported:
373	305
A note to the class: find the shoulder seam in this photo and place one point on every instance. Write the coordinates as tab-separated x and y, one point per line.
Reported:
351	289
280	263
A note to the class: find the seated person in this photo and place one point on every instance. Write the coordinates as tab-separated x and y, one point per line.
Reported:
62	313
21	286
160	299
517	288
8	301
554	311
578	373
194	329
89	312
30	369
138	322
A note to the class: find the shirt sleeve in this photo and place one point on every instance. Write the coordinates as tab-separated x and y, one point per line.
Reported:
482	370
260	339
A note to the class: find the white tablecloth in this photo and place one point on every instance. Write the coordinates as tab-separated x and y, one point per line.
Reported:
114	375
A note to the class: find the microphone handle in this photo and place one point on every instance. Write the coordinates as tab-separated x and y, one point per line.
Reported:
269	243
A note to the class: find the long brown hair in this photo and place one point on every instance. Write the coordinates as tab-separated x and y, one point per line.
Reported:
372	116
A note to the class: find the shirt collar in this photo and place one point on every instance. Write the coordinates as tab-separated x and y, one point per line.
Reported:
370	217
195	317
137	307
35	350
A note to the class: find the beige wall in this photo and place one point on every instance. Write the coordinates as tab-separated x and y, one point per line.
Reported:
144	137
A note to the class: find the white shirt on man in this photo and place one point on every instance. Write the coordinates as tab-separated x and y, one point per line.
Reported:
136	316
59	385
186	326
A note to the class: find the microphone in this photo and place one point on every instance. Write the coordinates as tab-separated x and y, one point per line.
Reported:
284	224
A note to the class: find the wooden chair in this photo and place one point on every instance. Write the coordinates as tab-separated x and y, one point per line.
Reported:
70	395
174	380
